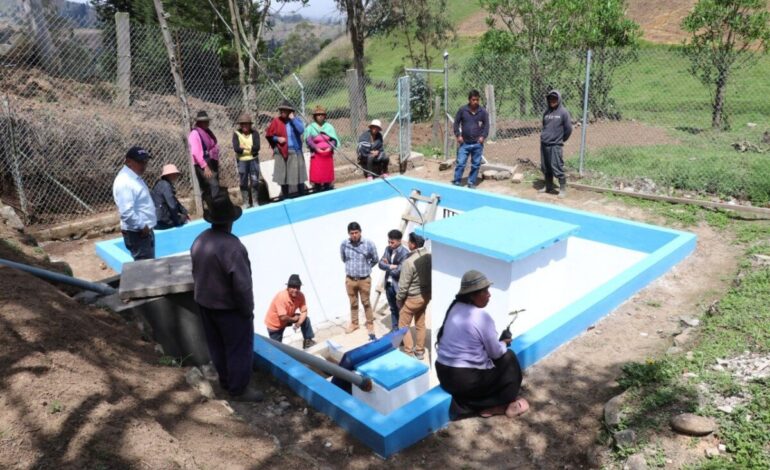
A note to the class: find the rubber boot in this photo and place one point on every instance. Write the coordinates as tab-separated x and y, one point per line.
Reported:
562	188
245	197
548	186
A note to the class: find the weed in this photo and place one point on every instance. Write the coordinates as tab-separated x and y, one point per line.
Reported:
171	361
55	407
637	374
653	303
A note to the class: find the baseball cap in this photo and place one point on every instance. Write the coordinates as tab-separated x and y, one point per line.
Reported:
138	153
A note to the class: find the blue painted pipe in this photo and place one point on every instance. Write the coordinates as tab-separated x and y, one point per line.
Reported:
99	288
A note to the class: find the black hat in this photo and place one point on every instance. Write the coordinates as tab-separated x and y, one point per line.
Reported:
138	154
221	209
294	281
286	105
417	240
202	116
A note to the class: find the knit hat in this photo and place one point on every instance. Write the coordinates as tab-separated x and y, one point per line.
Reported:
294	281
202	116
473	281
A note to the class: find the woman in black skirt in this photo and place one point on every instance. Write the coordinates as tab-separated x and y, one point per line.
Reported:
480	372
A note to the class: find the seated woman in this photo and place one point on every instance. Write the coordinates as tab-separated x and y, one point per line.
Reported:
480	372
170	212
371	151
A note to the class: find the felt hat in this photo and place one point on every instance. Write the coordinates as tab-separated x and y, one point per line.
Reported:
244	118
286	105
319	110
294	281
202	116
221	209
473	281
170	169
138	154
376	123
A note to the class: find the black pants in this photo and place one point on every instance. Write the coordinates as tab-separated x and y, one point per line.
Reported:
474	390
552	161
377	165
140	247
209	186
305	327
230	338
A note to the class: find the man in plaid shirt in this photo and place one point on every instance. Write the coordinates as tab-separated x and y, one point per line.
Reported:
359	256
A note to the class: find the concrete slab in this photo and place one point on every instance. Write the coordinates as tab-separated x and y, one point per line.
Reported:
156	277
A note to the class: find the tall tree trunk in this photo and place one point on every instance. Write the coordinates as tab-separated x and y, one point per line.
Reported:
35	13
238	52
718	119
355	24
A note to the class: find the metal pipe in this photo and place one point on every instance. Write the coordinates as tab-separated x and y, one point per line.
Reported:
424	70
362	382
585	113
301	91
99	288
446	104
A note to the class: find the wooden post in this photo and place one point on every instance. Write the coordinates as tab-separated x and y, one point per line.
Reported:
437	118
489	92
356	118
182	95
123	37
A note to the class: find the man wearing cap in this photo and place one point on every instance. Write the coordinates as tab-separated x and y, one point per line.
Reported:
135	205
557	127
205	154
289	308
284	134
170	212
371	151
322	139
359	256
414	292
471	128
223	291
246	147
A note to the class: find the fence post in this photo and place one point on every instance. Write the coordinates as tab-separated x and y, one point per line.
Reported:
354	96
446	105
489	95
436	120
182	95
15	170
585	113
123	38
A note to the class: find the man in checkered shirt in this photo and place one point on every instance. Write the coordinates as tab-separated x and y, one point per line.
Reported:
359	256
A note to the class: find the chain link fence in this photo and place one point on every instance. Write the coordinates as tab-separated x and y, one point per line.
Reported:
75	97
649	121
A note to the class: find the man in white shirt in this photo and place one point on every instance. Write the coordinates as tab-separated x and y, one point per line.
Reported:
135	205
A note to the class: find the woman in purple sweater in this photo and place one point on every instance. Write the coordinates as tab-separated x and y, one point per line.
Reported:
480	372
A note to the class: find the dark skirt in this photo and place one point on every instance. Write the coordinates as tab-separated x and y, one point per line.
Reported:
291	170
474	390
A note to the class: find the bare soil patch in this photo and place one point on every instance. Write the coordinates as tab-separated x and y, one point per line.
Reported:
567	389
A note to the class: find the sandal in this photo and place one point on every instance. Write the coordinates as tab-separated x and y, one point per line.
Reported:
494	411
517	408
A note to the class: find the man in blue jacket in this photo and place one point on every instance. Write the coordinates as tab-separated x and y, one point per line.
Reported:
471	128
391	260
557	127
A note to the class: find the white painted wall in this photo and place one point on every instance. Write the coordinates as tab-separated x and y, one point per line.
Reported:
543	283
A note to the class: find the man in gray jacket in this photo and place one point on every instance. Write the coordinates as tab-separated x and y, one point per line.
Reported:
557	127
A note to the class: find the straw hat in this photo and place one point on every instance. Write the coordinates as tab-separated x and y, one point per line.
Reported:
376	123
244	118
473	281
319	110
221	209
169	169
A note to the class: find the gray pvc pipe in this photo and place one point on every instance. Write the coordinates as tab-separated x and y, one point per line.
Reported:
364	383
99	288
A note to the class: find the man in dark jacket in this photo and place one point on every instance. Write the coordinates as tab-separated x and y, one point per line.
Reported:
171	213
390	262
223	291
471	129
557	127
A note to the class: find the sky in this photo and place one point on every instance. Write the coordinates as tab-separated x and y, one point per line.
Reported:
315	9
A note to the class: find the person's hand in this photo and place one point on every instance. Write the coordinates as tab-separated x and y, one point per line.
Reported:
399	304
207	173
375	153
281	140
459	139
291	115
393	266
188	218
481	140
145	232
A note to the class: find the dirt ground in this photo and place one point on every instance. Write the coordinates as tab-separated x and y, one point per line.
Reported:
79	387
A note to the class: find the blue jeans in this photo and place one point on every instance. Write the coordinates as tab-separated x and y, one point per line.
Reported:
248	171
140	247
305	327
390	294
475	150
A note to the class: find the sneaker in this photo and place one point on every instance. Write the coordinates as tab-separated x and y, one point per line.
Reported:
351	328
372	337
419	356
250	395
456	183
471	186
308	343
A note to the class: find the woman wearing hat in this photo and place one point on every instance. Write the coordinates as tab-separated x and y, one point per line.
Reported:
284	134
322	140
171	213
371	151
246	147
478	369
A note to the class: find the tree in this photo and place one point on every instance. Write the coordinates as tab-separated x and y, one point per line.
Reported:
723	36
423	25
